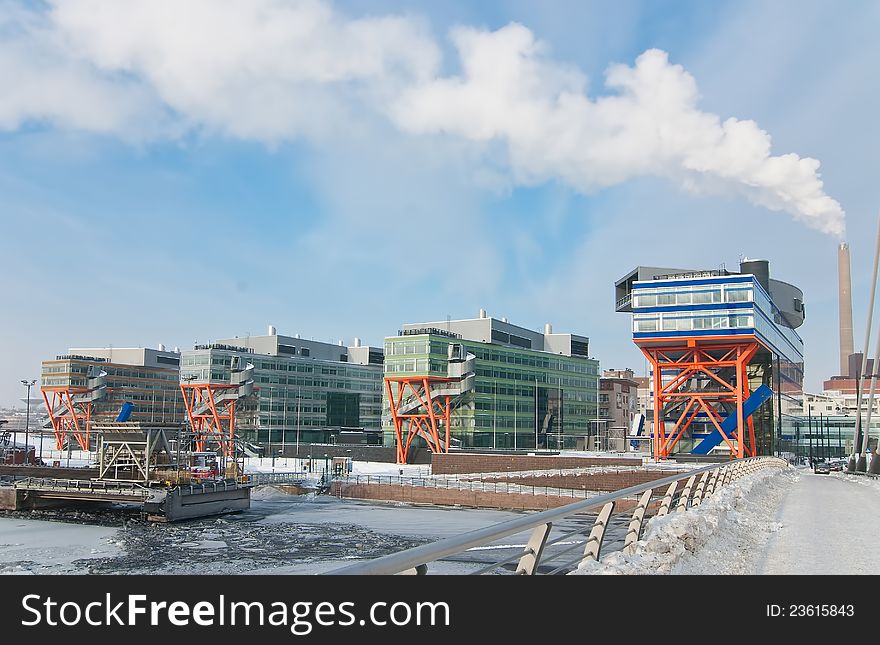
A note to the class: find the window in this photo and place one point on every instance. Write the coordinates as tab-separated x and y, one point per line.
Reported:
304	351
738	295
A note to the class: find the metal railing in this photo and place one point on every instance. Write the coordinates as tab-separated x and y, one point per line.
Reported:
499	482
51	484
535	554
258	479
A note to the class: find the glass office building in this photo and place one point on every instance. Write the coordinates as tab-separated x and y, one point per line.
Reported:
110	377
530	388
306	391
706	307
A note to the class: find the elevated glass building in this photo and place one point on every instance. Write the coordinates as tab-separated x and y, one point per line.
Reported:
713	339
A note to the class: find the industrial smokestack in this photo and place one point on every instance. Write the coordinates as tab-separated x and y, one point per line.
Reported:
844	285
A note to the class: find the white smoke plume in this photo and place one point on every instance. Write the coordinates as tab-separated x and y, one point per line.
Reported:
273	71
510	91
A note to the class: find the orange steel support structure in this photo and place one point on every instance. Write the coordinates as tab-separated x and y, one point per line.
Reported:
216	421
708	374
77	421
427	423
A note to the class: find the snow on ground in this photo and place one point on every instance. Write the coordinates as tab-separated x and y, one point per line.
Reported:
720	536
830	526
318	464
864	480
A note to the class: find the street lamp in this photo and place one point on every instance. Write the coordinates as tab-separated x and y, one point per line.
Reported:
27	422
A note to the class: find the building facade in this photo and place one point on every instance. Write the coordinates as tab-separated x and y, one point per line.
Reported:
618	404
531	389
306	391
107	378
699	316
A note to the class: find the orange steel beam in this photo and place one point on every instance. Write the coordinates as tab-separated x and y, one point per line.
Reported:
216	423
425	420
688	361
77	421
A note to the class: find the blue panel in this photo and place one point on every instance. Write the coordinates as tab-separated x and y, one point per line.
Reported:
125	412
737	331
755	401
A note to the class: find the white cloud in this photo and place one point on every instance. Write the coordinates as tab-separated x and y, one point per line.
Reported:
273	70
510	91
259	69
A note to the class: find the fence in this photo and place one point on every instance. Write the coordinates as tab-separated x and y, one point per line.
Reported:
699	485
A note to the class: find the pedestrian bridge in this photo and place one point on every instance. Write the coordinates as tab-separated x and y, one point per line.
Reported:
562	538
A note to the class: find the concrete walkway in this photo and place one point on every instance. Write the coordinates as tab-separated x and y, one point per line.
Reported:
829	526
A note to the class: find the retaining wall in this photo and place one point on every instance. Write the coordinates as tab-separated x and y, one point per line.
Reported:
460	463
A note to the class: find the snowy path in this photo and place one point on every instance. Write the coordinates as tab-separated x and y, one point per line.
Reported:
829	526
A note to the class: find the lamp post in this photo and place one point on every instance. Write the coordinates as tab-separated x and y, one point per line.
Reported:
27	421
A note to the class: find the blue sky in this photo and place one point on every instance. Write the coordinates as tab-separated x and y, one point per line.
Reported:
156	189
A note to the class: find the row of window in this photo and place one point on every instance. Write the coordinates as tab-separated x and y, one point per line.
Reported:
696	295
698	321
492	354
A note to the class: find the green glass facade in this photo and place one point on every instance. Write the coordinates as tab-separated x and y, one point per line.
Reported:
521	398
300	399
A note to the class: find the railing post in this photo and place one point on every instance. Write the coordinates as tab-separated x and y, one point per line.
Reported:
528	563
593	548
698	493
710	487
635	524
685	495
667	499
719	479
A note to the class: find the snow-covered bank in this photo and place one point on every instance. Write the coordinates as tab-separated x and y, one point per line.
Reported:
721	536
864	480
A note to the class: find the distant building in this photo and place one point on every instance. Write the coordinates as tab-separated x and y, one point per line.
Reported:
307	391
105	378
847	383
618	404
531	388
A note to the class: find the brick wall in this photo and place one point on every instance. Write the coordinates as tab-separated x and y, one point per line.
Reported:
591	481
459	463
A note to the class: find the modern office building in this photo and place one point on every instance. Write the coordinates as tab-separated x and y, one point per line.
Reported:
306	390
530	388
88	385
713	338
